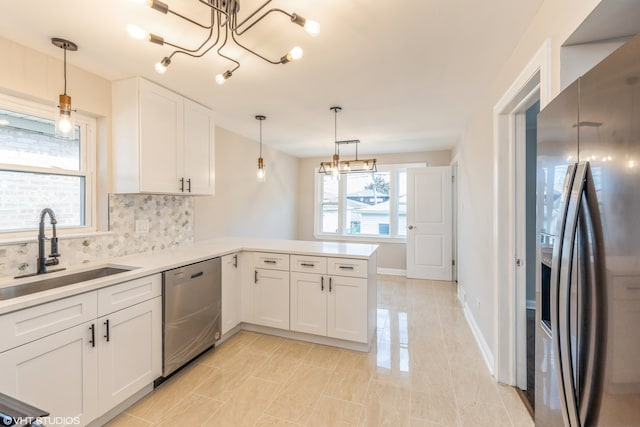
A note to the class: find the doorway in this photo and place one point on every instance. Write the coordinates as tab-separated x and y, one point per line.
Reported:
526	125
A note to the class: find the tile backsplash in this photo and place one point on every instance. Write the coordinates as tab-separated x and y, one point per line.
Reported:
170	220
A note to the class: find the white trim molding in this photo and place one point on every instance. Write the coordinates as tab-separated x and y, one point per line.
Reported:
392	271
485	349
535	76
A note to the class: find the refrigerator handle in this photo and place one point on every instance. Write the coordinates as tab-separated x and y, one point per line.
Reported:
555	283
595	303
566	373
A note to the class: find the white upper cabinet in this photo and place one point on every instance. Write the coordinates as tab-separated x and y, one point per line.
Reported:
162	142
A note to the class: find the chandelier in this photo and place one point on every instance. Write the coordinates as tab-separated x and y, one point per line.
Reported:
224	25
336	166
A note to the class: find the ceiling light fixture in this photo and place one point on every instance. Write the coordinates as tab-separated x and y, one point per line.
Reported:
336	166
223	25
260	173
65	120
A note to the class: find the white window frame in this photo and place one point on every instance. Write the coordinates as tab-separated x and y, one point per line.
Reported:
393	237
87	166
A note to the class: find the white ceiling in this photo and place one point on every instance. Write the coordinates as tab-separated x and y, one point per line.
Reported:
408	73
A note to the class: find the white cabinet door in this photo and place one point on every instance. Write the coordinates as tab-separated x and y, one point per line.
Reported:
271	298
161	139
57	373
231	293
309	303
199	149
347	308
130	355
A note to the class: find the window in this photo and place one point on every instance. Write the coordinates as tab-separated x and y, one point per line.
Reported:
38	170
363	205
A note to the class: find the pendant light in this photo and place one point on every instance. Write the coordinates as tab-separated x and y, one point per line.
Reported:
260	173
336	166
65	119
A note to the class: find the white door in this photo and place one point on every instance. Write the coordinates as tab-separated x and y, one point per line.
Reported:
130	355
309	303
429	223
57	374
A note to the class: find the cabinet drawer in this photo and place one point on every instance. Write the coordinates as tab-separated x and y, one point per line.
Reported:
347	267
123	295
308	264
271	261
30	324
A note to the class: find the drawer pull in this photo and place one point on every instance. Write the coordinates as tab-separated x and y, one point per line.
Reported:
196	275
322	283
106	323
346	267
304	264
330	283
235	260
255	278
269	261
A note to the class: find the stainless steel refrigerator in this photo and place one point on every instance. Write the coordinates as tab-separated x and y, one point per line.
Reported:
588	272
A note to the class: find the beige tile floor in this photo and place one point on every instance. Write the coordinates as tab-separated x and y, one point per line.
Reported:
425	370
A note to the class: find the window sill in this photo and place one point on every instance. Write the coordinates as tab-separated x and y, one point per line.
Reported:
61	235
361	239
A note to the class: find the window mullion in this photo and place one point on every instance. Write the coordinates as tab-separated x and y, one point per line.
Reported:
393	206
342	205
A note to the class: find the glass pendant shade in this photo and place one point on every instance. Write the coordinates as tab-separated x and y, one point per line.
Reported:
260	172
65	119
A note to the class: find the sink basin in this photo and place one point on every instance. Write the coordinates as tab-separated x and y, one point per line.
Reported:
45	284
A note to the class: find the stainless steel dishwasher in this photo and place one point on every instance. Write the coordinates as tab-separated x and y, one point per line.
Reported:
192	309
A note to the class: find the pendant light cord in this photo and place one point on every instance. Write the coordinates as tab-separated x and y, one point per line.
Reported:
335	128
65	69
260	138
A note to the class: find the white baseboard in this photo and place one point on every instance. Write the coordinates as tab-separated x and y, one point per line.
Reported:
462	295
487	355
392	271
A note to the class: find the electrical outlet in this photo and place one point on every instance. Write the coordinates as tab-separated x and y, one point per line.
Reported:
142	226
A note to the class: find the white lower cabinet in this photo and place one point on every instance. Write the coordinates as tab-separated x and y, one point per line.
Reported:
308	303
84	369
130	351
231	292
57	373
347	308
271	298
332	306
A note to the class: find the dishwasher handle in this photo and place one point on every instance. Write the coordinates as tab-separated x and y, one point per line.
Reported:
196	275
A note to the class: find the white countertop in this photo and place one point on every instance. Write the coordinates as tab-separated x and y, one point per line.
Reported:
154	262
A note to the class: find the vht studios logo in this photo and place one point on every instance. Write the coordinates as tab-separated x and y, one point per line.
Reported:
40	421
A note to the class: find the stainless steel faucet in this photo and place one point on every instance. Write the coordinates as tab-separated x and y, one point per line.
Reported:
44	262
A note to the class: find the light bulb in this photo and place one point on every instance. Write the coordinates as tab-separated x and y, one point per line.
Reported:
296	53
260	175
161	67
221	78
312	27
137	32
64	125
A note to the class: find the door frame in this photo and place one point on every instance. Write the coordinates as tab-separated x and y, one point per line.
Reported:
510	303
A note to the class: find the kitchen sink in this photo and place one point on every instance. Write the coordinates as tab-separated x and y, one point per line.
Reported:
45	284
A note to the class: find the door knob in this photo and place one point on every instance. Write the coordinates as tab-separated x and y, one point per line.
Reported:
411	227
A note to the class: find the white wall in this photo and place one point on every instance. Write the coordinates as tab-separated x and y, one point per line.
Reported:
390	255
242	206
555	21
